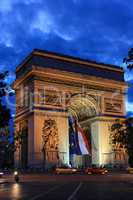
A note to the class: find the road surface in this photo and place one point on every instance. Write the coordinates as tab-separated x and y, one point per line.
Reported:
69	187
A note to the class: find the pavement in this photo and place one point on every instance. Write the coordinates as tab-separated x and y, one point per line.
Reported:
68	187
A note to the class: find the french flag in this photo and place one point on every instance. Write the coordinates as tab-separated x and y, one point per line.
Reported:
73	138
85	147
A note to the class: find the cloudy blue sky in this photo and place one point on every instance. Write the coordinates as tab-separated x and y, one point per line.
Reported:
99	30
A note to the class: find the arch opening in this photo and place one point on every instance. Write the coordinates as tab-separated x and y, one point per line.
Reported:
80	112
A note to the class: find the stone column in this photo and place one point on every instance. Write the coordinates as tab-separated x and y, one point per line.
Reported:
17	158
95	142
101	147
63	131
36	143
31	140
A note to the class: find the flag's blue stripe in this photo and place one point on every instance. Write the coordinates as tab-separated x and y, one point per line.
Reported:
73	138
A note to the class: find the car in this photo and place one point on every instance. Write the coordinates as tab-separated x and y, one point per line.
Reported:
1	174
65	170
130	170
96	170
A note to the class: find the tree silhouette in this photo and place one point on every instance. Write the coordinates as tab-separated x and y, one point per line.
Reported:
129	59
5	116
122	136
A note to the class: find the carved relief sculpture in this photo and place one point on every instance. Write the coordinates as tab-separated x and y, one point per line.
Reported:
50	140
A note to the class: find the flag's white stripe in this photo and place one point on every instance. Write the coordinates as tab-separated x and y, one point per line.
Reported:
82	145
85	140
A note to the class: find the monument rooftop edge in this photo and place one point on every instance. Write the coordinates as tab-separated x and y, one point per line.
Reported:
46	59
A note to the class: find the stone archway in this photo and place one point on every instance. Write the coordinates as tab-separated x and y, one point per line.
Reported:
83	108
47	81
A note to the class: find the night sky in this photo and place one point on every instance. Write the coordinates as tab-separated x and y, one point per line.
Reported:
99	30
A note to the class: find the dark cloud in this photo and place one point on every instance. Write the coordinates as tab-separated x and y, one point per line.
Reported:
97	30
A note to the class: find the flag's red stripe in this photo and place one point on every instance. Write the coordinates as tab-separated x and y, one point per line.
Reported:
85	139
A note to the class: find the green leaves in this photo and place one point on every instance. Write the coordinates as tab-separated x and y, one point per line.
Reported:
122	136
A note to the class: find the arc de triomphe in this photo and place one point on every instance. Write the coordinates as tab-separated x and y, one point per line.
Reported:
51	87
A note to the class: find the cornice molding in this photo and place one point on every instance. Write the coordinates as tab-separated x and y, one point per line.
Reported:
69	59
104	119
72	77
78	61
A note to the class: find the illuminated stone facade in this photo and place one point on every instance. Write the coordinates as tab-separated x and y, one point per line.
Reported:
49	88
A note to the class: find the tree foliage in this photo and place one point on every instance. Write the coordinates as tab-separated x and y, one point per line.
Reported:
129	59
122	136
6	144
4	111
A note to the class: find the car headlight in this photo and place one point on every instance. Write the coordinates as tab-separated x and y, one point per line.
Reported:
15	173
74	170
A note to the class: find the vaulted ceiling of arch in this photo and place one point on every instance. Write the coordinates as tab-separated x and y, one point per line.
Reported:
82	109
